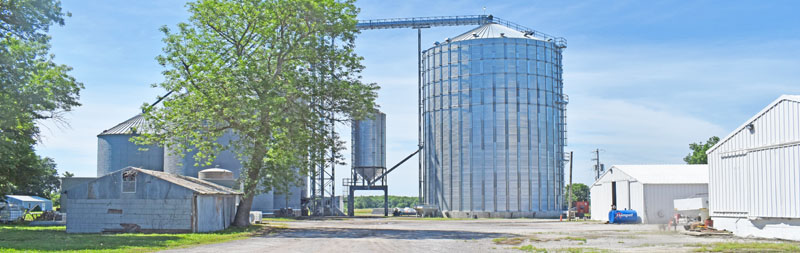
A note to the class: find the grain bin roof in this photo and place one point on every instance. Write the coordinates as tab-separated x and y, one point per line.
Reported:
127	127
193	184
794	98
666	174
491	30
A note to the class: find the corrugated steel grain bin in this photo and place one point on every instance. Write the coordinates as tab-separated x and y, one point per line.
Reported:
369	145
115	150
493	120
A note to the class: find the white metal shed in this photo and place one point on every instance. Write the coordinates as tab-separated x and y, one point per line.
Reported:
754	187
647	189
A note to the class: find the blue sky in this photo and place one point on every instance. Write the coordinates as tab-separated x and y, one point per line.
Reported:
645	78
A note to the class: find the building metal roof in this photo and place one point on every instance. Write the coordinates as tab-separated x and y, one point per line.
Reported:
492	30
127	127
25	198
664	173
794	98
199	186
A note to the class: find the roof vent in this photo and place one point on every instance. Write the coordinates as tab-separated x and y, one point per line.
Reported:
446	39
503	35
436	43
474	35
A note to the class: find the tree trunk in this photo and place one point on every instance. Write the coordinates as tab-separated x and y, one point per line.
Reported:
242	218
243	212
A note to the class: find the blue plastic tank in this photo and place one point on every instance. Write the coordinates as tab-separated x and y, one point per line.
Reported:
622	216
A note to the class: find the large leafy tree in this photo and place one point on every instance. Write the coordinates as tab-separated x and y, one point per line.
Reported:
273	73
580	192
698	155
33	88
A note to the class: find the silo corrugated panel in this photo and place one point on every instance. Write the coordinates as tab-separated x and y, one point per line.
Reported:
265	202
115	151
369	145
185	165
493	124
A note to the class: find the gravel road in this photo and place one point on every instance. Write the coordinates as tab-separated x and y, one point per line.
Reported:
481	235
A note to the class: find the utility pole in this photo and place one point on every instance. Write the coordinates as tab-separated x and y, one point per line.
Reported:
598	166
569	196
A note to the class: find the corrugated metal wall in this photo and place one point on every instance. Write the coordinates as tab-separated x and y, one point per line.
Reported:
215	212
757	173
115	152
652	202
658	200
494	126
601	201
175	164
98	215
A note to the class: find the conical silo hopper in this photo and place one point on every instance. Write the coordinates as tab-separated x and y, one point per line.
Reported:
369	146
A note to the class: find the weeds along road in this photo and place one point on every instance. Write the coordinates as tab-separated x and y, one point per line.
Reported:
481	235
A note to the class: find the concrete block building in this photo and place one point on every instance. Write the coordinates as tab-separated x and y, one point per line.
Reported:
141	200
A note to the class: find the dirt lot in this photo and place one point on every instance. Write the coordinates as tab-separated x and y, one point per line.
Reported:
481	235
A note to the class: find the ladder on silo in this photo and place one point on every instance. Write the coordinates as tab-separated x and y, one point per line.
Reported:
562	104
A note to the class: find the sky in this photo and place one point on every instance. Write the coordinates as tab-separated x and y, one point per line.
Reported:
644	78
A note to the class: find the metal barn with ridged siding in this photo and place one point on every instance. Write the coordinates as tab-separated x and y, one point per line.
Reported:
140	200
754	182
647	189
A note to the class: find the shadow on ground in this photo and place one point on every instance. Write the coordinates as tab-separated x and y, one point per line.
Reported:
345	233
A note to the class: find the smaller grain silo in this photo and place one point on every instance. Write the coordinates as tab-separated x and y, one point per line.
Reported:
369	159
218	176
116	151
369	146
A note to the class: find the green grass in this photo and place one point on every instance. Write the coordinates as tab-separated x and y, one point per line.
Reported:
747	247
278	219
362	212
580	250
17	238
530	248
508	241
571	238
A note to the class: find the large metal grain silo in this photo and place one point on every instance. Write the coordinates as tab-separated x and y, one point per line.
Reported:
115	151
493	120
185	165
369	146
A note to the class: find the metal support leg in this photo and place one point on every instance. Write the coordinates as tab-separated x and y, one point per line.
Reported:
386	201
419	112
350	205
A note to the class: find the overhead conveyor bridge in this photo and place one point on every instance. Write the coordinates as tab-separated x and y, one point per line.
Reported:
428	22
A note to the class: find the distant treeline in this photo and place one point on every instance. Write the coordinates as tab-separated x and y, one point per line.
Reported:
377	201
